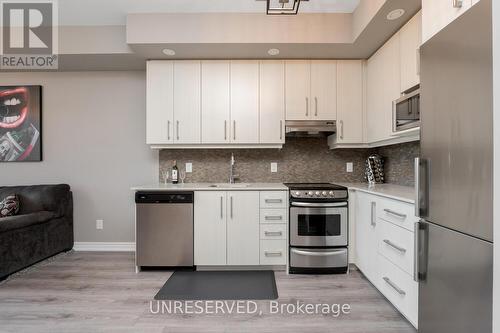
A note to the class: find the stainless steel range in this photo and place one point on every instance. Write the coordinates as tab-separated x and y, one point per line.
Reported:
318	228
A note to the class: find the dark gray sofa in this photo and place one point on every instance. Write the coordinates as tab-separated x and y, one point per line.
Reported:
43	227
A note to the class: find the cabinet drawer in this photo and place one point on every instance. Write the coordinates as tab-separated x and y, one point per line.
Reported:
273	199
272	231
399	288
273	216
273	252
397	212
396	244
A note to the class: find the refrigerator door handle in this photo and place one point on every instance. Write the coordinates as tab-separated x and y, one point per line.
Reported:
420	253
421	187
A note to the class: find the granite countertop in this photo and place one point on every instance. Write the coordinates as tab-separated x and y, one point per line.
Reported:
398	192
211	187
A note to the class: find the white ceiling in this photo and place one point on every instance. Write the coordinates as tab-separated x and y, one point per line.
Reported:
114	12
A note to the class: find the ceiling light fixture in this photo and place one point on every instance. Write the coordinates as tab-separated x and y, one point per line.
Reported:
395	14
273	52
168	52
283	7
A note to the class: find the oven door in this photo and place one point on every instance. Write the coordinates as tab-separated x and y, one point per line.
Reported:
314	224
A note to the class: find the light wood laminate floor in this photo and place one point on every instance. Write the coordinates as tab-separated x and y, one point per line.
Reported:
100	292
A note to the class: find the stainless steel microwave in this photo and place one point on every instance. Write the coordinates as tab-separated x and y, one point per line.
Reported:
406	111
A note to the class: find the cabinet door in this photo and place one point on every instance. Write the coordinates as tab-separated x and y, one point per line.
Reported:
366	235
383	83
215	113
159	102
323	89
272	102
297	89
243	228
245	101
187	102
210	228
350	101
437	14
410	40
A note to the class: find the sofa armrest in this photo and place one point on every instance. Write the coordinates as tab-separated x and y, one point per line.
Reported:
26	220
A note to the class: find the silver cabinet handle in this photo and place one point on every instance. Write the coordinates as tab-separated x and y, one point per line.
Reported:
168	130
234	129
225	130
273	218
394	286
394	246
373	214
307	106
281	129
457	3
317	254
316	106
221	207
273	233
273	253
231	207
388	211
273	200
177	130
342	129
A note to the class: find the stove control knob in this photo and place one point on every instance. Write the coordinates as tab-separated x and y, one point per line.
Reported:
330	193
324	193
297	193
310	193
317	193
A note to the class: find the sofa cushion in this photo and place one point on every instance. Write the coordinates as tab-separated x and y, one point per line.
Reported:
26	220
36	198
9	206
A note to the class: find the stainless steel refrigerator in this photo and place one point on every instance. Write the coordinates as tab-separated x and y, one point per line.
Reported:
454	177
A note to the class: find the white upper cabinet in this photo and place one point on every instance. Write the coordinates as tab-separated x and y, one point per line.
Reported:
215	101
297	89
245	101
323	99
437	14
159	102
272	102
383	87
349	102
243	228
410	41
187	102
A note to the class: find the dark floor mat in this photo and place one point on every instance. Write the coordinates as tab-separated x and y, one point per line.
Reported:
219	285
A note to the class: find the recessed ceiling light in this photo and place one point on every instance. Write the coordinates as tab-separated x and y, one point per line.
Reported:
273	52
395	14
168	52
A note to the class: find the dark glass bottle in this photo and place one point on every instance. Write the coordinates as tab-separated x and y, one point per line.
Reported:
175	173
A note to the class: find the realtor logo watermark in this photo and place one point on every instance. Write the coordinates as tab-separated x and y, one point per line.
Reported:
29	34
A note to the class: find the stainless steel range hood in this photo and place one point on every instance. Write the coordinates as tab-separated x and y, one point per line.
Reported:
308	128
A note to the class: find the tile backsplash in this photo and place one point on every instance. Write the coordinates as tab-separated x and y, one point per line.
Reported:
300	160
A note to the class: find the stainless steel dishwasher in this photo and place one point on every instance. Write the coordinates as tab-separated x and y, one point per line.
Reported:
164	229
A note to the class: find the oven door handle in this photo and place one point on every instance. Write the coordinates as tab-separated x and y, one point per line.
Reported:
317	254
319	204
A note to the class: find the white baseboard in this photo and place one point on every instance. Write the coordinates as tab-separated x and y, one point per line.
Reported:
104	246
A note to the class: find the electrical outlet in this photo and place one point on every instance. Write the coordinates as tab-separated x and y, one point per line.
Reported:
99	224
274	167
349	166
189	167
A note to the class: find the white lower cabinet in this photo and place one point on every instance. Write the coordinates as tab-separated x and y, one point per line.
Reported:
385	249
236	228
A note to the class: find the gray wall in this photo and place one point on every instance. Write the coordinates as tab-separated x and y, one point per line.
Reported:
94	140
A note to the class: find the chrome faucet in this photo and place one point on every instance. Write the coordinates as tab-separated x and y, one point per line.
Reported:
232	176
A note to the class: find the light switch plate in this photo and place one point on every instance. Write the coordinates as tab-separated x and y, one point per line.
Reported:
349	167
189	167
274	167
99	224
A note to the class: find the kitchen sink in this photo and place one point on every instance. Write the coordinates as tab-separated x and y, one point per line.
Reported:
228	185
